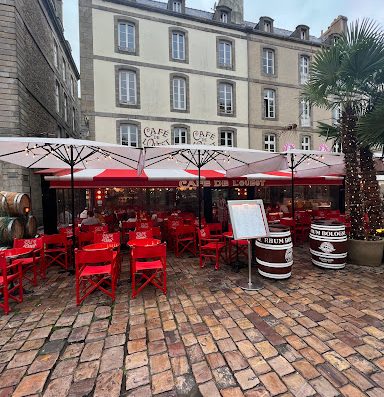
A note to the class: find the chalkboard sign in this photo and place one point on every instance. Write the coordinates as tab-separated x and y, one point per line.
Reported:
248	219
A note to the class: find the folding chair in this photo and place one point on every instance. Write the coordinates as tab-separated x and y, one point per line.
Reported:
216	230
303	226
11	283
55	251
85	238
141	234
34	263
185	240
144	224
95	228
150	264
291	223
210	248
126	227
95	270
111	238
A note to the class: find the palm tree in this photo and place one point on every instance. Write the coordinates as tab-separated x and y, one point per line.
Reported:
348	75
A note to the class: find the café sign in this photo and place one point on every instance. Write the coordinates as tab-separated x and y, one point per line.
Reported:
217	183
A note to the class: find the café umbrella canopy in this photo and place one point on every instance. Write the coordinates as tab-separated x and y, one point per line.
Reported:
66	153
301	164
201	157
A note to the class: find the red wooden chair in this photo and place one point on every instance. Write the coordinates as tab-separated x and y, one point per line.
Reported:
141	234
210	248
34	263
126	227
85	238
172	224
95	228
107	237
11	283
303	226
55	251
185	240
156	232
216	230
291	223
144	224
95	270
150	264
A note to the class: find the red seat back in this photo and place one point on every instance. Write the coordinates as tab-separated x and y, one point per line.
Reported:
107	237
147	224
150	252
85	238
141	234
92	257
95	228
35	243
58	240
215	228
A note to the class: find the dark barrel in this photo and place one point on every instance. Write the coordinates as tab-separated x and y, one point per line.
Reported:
274	254
14	204
31	226
10	228
328	244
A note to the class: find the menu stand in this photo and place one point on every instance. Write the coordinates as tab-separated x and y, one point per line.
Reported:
251	284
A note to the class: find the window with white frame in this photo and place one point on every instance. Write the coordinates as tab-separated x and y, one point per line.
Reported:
180	136
73	119
336	147
57	96
55	54
303	34
127	36
226	98
267	26
226	138
224	16
306	142
269	104
176	6
65	107
270	142
225	53
336	115
64	69
268	61
304	69
129	135
178	46
179	93
305	113
127	87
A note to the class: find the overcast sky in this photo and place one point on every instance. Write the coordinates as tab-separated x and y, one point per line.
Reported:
286	13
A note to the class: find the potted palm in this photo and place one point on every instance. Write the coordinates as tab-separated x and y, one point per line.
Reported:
349	76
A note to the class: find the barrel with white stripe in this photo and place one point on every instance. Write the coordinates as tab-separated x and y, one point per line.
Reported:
274	254
328	244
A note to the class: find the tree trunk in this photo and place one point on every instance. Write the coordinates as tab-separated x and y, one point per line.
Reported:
371	191
352	181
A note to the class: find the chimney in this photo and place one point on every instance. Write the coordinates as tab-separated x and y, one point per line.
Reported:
338	26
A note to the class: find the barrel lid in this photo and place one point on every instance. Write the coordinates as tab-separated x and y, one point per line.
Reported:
327	222
273	227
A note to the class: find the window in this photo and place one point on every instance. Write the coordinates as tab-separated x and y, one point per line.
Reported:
179	93
267	26
336	115
72	87
305	142
55	54
303	34
269	104
225	98
305	113
180	136
304	69
223	16
226	138
127	87
178	46
65	107
336	147
129	135
57	97
270	142
64	70
225	53
176	6
127	36
268	61
73	119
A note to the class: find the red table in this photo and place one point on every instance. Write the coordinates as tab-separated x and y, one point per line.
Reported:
100	246
143	242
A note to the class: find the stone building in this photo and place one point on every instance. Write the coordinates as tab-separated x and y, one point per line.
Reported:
163	73
38	83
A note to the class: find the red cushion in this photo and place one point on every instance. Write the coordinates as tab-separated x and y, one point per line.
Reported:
94	270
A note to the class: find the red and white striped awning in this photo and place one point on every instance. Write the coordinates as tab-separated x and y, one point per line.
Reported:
100	178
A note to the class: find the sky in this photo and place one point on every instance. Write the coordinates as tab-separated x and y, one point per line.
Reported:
287	14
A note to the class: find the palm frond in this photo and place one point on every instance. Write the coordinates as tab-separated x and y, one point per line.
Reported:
370	128
328	131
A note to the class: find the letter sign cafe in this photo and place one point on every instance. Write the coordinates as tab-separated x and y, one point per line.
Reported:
217	183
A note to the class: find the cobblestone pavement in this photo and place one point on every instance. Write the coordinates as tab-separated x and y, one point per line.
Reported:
319	333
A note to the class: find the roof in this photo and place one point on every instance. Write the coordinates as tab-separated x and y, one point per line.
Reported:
206	15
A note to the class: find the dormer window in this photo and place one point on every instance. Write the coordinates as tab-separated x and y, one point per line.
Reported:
303	34
267	26
176	6
223	16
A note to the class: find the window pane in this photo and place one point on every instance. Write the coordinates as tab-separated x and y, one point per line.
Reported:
127	36
225	98
128	87
179	93
178	46
129	135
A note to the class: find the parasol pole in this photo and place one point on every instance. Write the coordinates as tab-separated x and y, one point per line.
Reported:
73	208
198	186
292	187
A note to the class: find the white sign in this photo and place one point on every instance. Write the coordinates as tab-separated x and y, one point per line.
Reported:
248	219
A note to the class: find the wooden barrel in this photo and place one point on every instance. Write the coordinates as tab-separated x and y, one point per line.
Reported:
10	228
274	254
328	244
31	226
14	204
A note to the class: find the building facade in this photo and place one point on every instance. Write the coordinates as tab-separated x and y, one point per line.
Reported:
162	73
38	83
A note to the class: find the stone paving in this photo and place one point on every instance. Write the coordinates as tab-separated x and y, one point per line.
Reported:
320	333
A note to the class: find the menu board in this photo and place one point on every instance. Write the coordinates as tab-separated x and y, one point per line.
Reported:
248	219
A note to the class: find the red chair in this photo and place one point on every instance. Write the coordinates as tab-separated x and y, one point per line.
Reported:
216	230
126	227
55	251
156	232
303	226
85	238
150	264
144	224
185	240
107	237
141	235
11	283
172	224
67	231
291	223
95	228
210	248
34	263
95	270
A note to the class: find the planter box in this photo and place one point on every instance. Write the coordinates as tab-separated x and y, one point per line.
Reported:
365	252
